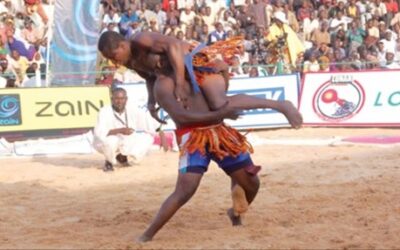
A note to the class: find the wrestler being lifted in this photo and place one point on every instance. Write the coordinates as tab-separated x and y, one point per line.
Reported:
189	63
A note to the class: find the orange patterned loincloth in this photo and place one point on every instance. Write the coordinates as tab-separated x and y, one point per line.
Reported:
220	140
204	60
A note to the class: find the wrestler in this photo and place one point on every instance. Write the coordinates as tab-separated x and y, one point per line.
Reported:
197	59
202	137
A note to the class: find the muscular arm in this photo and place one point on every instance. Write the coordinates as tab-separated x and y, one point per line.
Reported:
172	47
151	101
180	115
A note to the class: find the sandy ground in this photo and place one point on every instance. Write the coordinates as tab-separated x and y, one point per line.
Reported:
343	196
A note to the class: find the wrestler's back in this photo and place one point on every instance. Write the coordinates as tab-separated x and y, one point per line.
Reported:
196	102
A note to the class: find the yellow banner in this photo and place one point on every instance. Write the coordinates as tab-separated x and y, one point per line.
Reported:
27	109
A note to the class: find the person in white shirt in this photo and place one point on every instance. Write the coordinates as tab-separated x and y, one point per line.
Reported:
111	18
217	6
390	63
115	134
187	18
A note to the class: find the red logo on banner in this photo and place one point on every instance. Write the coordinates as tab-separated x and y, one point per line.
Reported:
338	99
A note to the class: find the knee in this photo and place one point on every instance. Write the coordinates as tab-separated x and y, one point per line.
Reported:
183	196
217	103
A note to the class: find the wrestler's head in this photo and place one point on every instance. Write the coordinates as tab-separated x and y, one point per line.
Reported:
114	47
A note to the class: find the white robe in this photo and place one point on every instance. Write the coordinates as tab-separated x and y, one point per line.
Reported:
135	145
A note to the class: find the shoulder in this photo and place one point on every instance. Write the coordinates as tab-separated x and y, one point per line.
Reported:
105	110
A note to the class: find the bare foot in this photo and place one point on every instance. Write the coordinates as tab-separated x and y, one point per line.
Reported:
292	114
143	239
236	220
239	201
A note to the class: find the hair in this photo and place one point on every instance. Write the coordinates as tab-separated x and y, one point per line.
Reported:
117	89
30	72
109	41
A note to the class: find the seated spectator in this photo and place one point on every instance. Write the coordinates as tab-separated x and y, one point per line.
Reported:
6	71
323	64
388	41
227	21
111	17
133	29
312	64
127	19
153	27
186	18
161	17
218	34
253	72
22	48
390	63
20	64
115	134
33	78
381	54
309	25
355	36
321	35
30	34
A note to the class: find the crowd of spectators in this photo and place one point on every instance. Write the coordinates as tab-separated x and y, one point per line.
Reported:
23	42
336	35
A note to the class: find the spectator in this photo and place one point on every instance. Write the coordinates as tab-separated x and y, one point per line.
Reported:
227	21
111	17
253	72
291	16
218	34
390	63
352	10
127	19
337	23
133	29
321	35
258	11
187	18
161	17
172	14
389	42
309	25
280	31
323	63
23	49
20	64
115	134
312	64
29	33
216	7
355	36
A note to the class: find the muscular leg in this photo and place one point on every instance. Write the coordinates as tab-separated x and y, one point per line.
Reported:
186	186
213	88
250	184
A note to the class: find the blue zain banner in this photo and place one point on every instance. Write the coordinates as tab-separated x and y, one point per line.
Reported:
73	50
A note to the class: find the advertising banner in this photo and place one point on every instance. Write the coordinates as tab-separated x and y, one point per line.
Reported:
74	46
284	87
32	109
351	99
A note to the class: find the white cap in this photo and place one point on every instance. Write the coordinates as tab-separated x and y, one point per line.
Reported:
280	16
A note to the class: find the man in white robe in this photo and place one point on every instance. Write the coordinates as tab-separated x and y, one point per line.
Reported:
116	135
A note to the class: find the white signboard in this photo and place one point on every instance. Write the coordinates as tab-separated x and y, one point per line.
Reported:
351	99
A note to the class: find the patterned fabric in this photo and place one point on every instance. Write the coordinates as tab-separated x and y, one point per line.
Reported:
220	140
201	60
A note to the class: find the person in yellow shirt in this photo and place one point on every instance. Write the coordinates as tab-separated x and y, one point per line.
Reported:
280	30
20	64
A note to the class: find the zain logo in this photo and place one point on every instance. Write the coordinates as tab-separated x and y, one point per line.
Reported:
338	99
10	111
